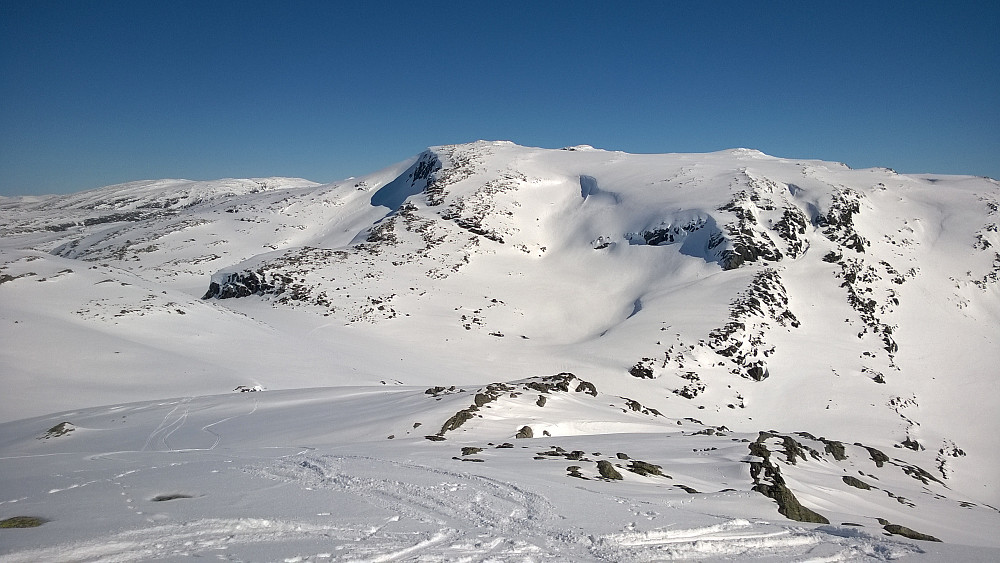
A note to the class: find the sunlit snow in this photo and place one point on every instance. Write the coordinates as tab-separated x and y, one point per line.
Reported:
441	361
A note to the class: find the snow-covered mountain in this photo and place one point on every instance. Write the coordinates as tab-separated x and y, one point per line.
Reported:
773	334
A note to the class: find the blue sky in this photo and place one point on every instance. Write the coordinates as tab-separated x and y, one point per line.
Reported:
100	92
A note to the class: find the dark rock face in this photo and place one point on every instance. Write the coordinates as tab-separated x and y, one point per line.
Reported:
644	468
860	281
741	340
427	165
636	406
22	522
768	480
643	369
560	382
877	456
556	451
749	242
793	449
772	484
491	393
587	387
563	382
919	473
834	448
855	482
668	233
791	227
172	496
239	284
608	471
458	419
60	429
757	372
393	194
904	531
693	388
788	505
838	222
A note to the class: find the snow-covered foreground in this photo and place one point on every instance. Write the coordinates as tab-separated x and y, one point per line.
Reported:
312	475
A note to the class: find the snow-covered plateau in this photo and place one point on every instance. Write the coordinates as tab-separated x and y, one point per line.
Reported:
492	352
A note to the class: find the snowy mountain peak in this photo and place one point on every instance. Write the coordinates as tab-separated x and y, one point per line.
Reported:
779	299
748	153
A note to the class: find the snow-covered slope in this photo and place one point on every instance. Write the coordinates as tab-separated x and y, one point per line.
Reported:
810	314
349	474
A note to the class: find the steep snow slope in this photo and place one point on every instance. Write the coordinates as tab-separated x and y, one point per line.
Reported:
745	291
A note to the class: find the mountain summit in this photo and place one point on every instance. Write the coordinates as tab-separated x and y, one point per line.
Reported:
779	298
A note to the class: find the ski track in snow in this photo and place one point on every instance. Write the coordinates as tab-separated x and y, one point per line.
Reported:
741	539
488	520
234	539
416	512
223	537
450	498
168	427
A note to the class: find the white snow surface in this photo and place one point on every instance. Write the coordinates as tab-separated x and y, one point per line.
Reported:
701	308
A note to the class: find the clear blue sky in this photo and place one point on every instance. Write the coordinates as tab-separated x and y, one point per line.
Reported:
99	92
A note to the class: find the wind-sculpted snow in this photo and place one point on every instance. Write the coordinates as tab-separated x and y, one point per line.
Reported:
698	309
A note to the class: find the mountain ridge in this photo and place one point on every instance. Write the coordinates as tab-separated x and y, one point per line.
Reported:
781	299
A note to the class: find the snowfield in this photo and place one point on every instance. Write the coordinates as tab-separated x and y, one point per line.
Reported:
501	353
310	475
